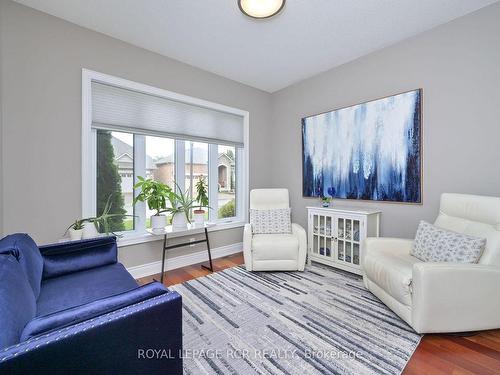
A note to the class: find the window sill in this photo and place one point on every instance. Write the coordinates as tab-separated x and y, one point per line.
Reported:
138	238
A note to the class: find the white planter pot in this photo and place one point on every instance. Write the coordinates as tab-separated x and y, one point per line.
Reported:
75	234
179	220
199	218
158	221
89	231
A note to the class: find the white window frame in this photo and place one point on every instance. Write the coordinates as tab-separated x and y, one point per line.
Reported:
89	156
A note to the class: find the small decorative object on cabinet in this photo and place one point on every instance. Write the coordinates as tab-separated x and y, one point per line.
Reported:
335	235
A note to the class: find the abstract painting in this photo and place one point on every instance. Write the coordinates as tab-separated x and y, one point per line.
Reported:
370	151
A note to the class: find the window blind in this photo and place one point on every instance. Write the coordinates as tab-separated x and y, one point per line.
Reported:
119	109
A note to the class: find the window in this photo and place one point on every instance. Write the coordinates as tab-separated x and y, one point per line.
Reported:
226	182
196	165
132	130
114	177
120	157
160	164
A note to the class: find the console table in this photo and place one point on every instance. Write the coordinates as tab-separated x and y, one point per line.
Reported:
191	229
336	234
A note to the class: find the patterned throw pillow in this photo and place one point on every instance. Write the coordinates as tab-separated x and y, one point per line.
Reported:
434	244
271	221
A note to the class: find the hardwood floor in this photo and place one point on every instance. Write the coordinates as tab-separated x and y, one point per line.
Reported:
180	275
436	354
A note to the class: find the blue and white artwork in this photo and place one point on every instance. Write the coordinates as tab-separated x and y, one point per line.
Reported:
370	151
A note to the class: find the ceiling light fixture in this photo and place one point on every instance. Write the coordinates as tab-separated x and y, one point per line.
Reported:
261	8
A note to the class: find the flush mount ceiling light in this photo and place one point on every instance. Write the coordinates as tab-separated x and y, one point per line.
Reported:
261	8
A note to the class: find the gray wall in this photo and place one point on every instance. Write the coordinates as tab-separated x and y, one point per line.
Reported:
458	67
42	59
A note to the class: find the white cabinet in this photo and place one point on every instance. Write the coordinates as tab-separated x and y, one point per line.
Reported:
335	235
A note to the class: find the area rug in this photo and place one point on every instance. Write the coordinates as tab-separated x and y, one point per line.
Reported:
321	321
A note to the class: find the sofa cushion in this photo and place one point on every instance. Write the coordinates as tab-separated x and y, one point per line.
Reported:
275	247
77	314
435	244
82	287
28	255
17	301
392	272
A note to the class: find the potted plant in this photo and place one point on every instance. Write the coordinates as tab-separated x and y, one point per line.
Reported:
202	199
89	228
100	224
181	205
155	193
325	201
75	230
92	227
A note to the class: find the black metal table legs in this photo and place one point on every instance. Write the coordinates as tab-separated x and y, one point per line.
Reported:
165	248
163	258
211	269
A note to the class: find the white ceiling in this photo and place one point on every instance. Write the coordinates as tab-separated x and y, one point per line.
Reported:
308	37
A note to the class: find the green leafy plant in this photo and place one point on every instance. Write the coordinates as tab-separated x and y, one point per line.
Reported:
108	181
77	225
201	194
228	210
325	201
180	202
155	193
103	222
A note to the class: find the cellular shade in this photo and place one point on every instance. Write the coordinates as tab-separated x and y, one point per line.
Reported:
115	108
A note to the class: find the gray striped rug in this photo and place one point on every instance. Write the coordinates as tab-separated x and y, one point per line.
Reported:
321	321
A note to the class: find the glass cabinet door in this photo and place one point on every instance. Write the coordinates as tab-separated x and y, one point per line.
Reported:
322	236
315	235
355	254
348	235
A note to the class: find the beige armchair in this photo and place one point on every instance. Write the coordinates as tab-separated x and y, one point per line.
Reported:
273	252
441	297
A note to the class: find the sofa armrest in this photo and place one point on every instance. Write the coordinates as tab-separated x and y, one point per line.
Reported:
68	257
112	343
388	244
77	314
301	235
451	297
247	246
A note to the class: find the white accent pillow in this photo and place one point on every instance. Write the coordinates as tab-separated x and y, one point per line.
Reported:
434	244
271	221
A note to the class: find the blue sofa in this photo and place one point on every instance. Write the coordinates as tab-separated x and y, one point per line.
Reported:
72	308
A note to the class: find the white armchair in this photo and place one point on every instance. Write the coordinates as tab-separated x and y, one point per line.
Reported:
441	297
273	252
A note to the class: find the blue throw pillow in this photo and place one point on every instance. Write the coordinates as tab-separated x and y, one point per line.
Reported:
27	253
17	302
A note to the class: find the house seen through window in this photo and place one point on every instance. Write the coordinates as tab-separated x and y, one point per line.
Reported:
117	159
